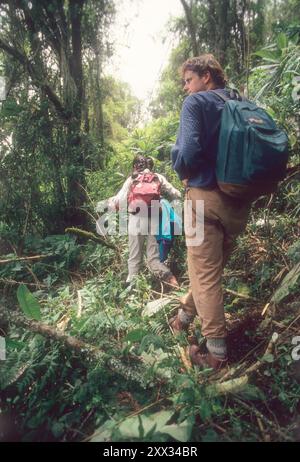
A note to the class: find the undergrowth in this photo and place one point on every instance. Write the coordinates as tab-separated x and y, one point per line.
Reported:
139	389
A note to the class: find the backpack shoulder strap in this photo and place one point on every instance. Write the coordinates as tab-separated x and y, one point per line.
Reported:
233	94
147	177
220	95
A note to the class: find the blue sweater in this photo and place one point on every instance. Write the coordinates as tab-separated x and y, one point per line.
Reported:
194	154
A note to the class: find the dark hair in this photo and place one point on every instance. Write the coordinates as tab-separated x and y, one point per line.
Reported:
205	63
149	163
139	163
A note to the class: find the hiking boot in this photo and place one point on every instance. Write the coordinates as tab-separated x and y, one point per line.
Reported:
172	281
206	359
177	326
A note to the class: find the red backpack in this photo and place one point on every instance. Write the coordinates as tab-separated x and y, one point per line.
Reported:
145	188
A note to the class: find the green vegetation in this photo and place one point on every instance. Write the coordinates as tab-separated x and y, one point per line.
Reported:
86	359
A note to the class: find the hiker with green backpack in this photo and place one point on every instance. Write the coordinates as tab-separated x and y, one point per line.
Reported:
228	152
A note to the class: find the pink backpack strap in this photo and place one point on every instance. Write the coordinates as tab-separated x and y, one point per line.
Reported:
146	177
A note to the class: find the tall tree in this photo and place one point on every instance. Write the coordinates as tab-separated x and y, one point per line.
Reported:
223	27
47	39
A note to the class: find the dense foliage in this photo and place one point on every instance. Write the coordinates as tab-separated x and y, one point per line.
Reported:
107	367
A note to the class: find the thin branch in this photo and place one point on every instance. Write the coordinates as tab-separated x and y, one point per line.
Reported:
34	257
251	409
238	294
13	282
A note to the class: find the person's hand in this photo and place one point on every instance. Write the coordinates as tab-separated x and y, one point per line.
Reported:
185	182
112	204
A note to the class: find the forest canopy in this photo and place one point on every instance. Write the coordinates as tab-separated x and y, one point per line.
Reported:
88	358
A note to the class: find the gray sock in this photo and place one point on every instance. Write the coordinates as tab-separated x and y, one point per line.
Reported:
217	347
185	318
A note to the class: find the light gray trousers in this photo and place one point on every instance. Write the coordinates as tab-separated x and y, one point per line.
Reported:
139	232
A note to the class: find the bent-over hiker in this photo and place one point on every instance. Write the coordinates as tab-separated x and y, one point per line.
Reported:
145	185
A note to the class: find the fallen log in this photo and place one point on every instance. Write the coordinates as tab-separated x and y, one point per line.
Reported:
92	236
218	384
87	351
48	331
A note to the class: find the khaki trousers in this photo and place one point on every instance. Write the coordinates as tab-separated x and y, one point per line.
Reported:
224	220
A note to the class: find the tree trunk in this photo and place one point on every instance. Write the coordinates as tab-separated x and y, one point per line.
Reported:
46	26
224	29
76	180
98	102
188	10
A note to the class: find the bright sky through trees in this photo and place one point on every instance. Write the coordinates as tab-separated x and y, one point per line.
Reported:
140	53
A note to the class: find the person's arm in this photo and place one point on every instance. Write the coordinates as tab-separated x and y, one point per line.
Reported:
167	188
187	154
121	196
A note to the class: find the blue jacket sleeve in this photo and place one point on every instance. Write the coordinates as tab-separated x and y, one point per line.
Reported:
187	154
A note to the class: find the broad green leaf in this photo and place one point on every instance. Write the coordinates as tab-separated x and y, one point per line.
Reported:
14	344
296	88
271	112
268	358
103	433
268	55
205	409
153	359
282	41
28	303
155	305
155	423
252	392
151	339
141	428
131	427
10	109
287	285
293	139
265	67
57	429
181	432
243	289
231	386
135	335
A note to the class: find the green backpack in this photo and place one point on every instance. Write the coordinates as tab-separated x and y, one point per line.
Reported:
252	151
